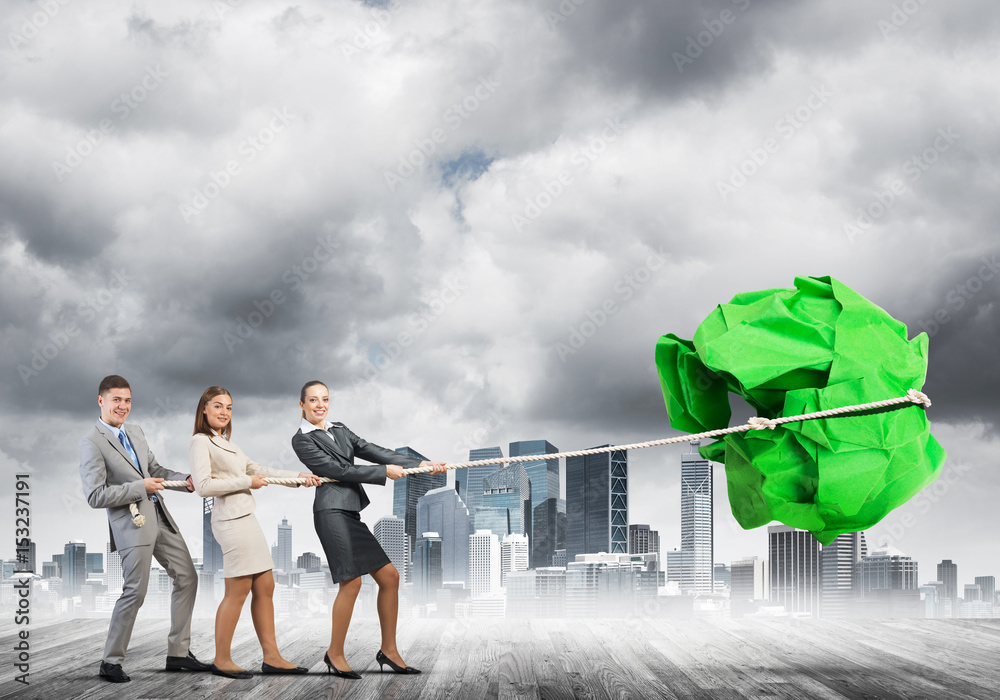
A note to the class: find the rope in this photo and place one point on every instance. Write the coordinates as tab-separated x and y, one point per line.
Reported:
753	423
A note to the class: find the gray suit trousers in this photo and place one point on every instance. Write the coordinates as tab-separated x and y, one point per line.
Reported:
172	553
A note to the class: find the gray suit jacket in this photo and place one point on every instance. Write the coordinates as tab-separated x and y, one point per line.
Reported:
110	481
331	453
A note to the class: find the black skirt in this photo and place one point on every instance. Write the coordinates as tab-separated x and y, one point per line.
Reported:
350	547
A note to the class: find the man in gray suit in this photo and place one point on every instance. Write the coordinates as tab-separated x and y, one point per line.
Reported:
117	469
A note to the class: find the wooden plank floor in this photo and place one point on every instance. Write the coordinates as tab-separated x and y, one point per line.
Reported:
698	659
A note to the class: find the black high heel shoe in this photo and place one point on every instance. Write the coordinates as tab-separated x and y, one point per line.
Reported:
330	668
383	659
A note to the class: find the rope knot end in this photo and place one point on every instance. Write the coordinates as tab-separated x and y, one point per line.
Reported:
761	423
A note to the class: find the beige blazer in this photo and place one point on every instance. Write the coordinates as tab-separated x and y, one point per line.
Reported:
221	470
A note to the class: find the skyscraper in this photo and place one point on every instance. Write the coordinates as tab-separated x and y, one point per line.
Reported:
114	579
427	576
283	557
547	506
884	570
696	520
211	551
442	511
513	555
470	480
484	564
310	560
406	492
642	540
947	573
795	580
74	567
988	586
25	557
95	563
839	573
749	582
509	487
391	534
597	503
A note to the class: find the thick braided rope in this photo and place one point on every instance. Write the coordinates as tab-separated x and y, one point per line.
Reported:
754	423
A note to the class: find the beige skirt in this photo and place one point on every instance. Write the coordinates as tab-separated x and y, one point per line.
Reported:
244	547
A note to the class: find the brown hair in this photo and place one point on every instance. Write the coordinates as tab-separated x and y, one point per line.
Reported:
302	394
201	422
112	381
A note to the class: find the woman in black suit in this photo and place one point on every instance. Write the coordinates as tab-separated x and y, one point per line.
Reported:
328	449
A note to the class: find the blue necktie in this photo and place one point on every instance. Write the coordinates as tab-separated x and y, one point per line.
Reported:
123	439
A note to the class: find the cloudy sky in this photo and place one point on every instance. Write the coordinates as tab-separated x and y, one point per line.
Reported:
428	205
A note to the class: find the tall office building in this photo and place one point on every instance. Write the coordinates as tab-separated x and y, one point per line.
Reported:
509	487
642	540
427	575
795	580
749	582
311	560
548	531
484	564
839	573
406	492
283	554
973	593
211	550
469	481
74	567
513	555
547	506
947	573
988	586
442	511
884	570
114	579
496	520
597	503
697	536
391	534
95	563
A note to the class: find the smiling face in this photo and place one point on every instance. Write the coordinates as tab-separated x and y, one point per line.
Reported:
115	405
218	411
316	404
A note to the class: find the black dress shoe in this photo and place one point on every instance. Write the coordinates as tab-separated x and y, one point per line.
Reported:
383	659
268	668
113	673
330	668
186	663
230	674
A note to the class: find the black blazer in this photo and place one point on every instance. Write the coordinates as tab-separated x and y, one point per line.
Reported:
331	453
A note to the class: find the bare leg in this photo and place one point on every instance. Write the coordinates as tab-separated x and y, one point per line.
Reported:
226	618
343	608
262	612
387	604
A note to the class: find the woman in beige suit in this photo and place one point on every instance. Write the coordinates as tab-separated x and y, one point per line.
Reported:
221	470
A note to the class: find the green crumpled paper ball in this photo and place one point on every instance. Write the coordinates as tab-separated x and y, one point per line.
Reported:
792	351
